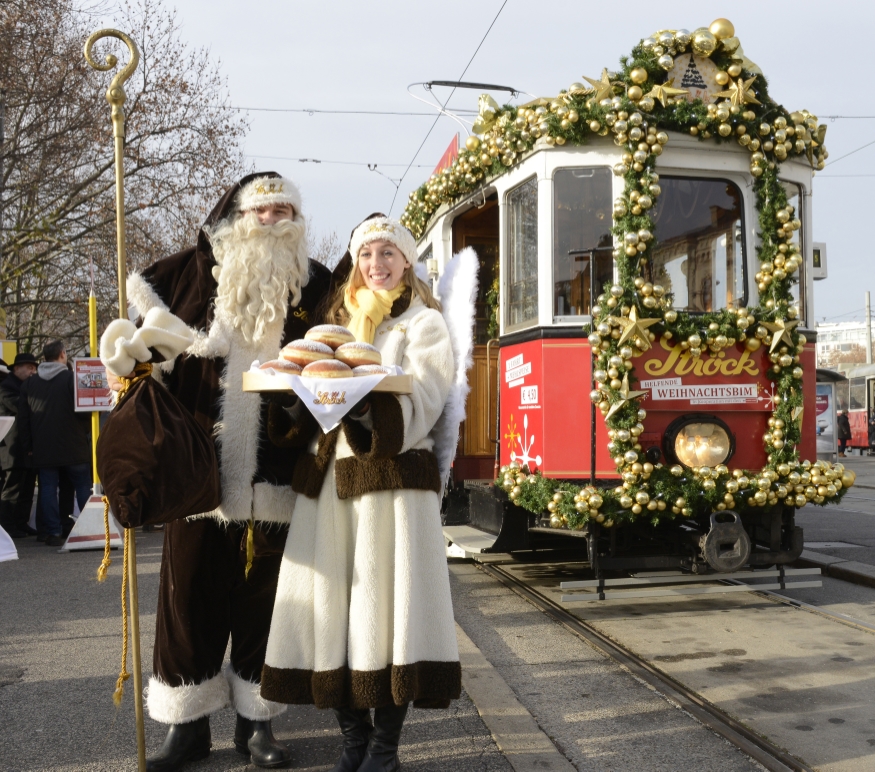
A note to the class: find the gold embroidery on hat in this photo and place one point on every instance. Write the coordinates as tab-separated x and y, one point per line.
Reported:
378	227
265	190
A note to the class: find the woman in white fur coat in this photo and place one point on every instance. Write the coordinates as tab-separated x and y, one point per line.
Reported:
363	616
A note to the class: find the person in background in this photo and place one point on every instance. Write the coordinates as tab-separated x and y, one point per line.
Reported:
56	438
16	498
872	433
843	431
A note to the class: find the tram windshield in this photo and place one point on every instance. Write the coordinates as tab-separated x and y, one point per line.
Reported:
582	241
699	255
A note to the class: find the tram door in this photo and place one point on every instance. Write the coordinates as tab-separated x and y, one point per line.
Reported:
475	460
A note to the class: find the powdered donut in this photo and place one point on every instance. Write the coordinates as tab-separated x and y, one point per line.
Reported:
371	370
332	335
358	354
326	368
282	366
302	352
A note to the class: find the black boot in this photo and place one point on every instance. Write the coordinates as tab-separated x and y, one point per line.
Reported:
255	739
383	749
356	727
184	743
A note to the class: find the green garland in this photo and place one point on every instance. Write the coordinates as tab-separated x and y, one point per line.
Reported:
638	107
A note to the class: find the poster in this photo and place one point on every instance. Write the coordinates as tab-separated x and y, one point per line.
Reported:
825	421
91	390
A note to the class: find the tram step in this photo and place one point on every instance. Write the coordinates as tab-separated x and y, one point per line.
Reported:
464	541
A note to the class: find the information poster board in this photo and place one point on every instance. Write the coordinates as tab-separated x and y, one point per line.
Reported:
825	421
91	389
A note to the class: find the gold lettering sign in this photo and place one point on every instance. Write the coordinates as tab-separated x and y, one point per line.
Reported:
679	362
330	398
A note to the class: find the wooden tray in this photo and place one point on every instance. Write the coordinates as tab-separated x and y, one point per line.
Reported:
261	382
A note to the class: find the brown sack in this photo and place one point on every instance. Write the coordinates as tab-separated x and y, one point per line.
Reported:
155	462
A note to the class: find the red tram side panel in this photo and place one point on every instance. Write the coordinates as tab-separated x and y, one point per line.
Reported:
546	411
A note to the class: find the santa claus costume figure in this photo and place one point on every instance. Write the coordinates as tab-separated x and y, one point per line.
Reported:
244	290
363	616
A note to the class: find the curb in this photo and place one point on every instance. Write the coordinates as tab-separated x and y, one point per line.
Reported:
847	570
516	733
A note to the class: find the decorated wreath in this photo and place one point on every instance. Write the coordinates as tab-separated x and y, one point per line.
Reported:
639	106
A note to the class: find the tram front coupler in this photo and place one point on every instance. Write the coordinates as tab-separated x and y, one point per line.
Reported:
726	546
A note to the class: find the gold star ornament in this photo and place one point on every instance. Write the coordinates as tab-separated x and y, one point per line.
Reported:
740	93
626	394
666	91
796	413
781	332
602	89
633	325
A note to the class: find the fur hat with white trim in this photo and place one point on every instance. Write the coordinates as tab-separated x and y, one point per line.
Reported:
384	229
265	191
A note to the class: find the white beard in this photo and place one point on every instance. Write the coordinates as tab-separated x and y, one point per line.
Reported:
260	268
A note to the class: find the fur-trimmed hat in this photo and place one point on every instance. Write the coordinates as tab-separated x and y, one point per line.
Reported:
265	191
383	229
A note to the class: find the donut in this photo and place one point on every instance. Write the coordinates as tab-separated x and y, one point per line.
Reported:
358	354
282	366
302	352
332	335
371	370
327	368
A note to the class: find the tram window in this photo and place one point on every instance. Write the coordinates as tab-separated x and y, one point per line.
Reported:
522	249
581	237
699	255
842	395
794	198
858	394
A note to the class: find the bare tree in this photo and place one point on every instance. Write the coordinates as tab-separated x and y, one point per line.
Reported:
327	249
57	205
856	354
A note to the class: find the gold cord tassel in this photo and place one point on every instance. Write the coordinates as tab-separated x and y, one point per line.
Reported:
124	675
250	545
107	562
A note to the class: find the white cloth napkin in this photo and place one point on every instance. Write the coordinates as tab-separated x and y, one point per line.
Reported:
328	399
7	547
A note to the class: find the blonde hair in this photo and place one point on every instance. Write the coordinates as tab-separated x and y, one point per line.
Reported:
337	313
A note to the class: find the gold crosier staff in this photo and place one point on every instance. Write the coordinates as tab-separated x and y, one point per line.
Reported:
116	97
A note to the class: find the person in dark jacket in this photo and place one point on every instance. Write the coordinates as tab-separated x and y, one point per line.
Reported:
843	431
16	499
56	437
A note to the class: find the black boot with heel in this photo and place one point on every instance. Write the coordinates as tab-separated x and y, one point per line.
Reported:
356	727
255	739
382	753
184	743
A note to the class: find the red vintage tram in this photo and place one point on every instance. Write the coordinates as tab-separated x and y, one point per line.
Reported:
643	341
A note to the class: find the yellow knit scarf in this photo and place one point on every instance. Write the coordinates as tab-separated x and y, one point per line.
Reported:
368	308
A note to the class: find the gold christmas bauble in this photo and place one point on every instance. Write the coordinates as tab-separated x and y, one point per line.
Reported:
704	43
734	70
472	143
722	29
635	93
722	78
638	75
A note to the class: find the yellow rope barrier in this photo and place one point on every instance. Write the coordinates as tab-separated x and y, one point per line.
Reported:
250	546
107	562
124	675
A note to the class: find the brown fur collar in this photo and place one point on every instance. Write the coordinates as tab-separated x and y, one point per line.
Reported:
413	470
387	437
402	303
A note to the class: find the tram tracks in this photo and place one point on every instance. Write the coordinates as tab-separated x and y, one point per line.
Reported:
756	746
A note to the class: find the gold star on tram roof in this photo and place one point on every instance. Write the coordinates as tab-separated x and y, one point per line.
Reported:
604	88
626	394
665	91
633	325
781	331
740	93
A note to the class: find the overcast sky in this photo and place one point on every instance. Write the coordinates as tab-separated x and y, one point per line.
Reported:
358	55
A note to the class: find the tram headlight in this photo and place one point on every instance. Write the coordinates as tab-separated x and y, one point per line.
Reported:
699	441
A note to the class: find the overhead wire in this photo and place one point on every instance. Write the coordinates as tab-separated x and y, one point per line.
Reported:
326	161
446	102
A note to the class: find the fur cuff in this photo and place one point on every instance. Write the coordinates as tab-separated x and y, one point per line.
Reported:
166	333
121	347
186	703
247	700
